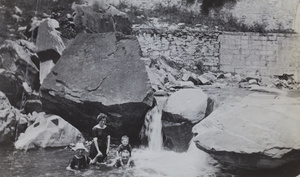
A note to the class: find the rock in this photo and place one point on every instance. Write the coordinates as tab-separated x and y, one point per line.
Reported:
11	87
194	101
156	79
45	69
161	93
186	76
228	75
194	78
101	18
48	131
244	85
209	76
203	80
33	106
100	73
17	59
183	109
9	117
265	89
183	84
252	81
260	131
50	46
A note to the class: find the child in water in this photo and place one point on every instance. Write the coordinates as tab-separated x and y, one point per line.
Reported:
124	145
79	161
123	161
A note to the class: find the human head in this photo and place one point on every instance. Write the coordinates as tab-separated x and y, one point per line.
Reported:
125	156
80	148
102	119
125	140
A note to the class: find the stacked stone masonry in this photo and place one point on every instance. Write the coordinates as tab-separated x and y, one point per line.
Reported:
269	53
185	47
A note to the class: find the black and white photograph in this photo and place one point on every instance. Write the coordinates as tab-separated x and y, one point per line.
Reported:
150	88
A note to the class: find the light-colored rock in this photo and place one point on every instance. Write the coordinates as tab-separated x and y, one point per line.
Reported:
186	104
48	131
182	109
45	69
10	118
259	131
203	80
266	89
252	81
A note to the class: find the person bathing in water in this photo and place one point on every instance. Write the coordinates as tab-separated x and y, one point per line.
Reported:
79	161
101	141
123	161
124	145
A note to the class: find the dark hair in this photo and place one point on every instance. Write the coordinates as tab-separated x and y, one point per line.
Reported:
101	116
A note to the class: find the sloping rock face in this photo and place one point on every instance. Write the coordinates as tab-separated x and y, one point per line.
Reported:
9	117
101	18
48	131
182	110
100	73
49	46
260	131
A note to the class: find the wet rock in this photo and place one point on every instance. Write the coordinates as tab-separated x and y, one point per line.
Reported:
182	110
260	131
100	73
101	18
48	131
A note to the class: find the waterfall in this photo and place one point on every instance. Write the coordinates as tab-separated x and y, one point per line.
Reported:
153	126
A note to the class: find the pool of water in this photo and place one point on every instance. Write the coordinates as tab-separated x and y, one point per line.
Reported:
194	163
53	162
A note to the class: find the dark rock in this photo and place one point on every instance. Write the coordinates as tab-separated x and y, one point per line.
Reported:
11	87
33	105
178	135
100	19
100	73
17	59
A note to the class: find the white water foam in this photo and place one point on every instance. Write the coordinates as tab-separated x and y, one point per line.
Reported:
154	161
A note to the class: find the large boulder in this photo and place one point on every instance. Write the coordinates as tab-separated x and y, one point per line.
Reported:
48	131
101	18
100	73
259	131
49	46
17	60
10	120
182	110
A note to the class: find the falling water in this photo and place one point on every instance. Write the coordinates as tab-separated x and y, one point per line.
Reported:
153	126
155	161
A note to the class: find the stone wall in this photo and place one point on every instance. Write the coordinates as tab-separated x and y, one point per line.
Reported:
270	54
187	48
